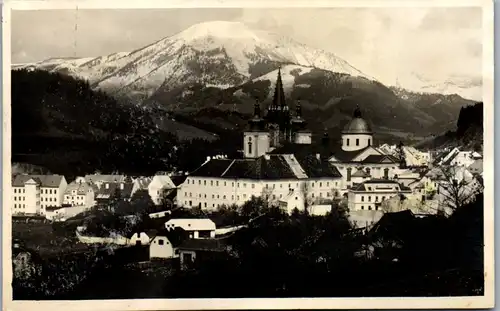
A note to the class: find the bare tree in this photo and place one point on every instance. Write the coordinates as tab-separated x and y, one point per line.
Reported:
267	195
305	191
456	191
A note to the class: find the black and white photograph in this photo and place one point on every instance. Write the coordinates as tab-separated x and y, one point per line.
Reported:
339	152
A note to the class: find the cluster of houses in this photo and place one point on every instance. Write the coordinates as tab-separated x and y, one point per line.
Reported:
52	197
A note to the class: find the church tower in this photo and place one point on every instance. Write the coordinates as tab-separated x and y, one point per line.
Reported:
357	134
278	115
256	139
300	133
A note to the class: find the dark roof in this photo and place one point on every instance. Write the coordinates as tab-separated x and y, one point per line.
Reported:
376	158
317	168
394	225
113	186
273	167
360	173
342	155
44	180
177	237
212	168
178	179
296	149
361	186
214	245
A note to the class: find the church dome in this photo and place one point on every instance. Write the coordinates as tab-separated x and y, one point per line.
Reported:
357	125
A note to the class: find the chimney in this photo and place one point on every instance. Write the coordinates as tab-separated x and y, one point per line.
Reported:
267	157
107	186
122	186
318	156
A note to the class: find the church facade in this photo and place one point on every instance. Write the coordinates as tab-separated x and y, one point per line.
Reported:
281	163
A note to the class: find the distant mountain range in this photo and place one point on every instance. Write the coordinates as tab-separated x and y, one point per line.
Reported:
228	65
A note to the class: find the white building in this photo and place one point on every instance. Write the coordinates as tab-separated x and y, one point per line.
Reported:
32	194
158	184
197	228
79	193
370	194
465	158
161	247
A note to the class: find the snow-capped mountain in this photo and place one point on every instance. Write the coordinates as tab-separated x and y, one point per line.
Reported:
216	53
220	54
466	87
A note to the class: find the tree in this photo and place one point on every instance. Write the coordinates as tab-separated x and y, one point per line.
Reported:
305	191
456	189
400	153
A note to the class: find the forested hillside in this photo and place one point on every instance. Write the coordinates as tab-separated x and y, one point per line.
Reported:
60	123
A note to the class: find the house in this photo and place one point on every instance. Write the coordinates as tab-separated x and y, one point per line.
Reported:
142	237
79	193
460	158
99	179
158	184
140	183
200	250
369	195
197	228
105	192
418	205
31	194
164	244
476	167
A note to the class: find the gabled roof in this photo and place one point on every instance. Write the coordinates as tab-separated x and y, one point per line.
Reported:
344	156
178	179
379	158
364	186
317	168
52	181
360	173
394	225
81	188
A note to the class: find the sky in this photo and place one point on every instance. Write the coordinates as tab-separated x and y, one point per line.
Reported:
387	43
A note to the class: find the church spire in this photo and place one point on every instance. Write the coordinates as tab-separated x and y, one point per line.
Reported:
256	109
279	93
357	112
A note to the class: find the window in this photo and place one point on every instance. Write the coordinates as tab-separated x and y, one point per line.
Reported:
250	147
349	174
369	208
211	183
362	198
160	241
347	142
205	204
253	186
320	184
357	141
199	182
217	183
369	198
362	207
369	142
224	183
204	182
244	185
224	197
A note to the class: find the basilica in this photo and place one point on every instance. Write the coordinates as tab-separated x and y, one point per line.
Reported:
281	163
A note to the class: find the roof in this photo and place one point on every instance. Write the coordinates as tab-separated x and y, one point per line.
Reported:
360	173
214	245
379	158
176	237
104	193
81	188
395	225
178	179
104	178
52	181
357	126
191	224
363	186
143	182
162	180
317	168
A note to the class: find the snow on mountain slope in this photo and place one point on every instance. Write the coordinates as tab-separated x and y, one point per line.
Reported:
288	74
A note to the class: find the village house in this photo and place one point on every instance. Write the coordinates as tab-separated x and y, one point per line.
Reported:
140	183
157	186
191	251
79	193
164	244
197	228
32	194
142	237
369	195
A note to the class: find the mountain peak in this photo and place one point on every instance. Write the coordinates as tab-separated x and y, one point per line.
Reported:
222	29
